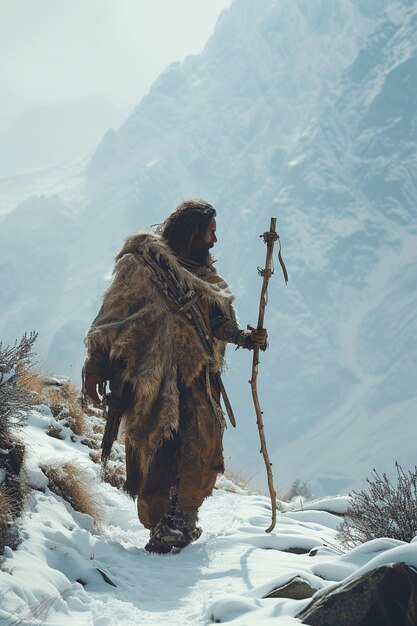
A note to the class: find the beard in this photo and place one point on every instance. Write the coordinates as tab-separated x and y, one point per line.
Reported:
200	253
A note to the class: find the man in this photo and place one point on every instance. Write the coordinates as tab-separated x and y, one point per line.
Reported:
160	338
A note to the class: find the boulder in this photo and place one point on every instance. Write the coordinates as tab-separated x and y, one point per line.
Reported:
295	550
295	589
385	596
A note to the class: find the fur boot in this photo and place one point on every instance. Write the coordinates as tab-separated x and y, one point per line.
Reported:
174	531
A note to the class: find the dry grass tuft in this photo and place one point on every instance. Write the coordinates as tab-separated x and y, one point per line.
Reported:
92	441
64	401
98	429
33	381
13	484
55	431
238	478
8	534
95	456
115	471
114	474
68	480
90	411
5	508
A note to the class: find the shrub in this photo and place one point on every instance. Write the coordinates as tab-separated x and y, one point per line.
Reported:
15	399
68	480
299	489
382	510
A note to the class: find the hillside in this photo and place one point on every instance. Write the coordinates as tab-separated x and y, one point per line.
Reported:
72	568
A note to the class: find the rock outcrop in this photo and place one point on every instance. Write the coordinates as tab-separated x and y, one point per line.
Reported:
386	596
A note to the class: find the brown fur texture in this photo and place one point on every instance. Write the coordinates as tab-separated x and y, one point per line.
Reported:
144	329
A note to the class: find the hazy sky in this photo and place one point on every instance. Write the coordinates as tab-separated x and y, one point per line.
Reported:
56	50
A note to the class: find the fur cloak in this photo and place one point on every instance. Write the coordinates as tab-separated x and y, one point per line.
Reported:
140	326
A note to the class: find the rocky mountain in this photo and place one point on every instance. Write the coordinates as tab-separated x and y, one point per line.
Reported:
303	109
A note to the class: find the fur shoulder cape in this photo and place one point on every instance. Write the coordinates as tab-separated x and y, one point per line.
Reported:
140	326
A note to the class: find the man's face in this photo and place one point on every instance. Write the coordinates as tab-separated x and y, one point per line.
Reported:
211	238
200	249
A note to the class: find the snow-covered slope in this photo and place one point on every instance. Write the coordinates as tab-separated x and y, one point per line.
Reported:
305	109
69	571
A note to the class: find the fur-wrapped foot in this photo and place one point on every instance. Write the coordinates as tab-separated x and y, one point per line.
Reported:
174	531
156	546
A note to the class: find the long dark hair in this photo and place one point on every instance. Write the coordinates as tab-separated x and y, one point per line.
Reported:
187	224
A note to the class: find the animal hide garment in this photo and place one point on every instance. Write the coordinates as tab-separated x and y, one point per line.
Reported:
142	328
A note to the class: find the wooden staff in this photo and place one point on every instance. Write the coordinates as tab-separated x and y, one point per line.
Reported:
269	237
